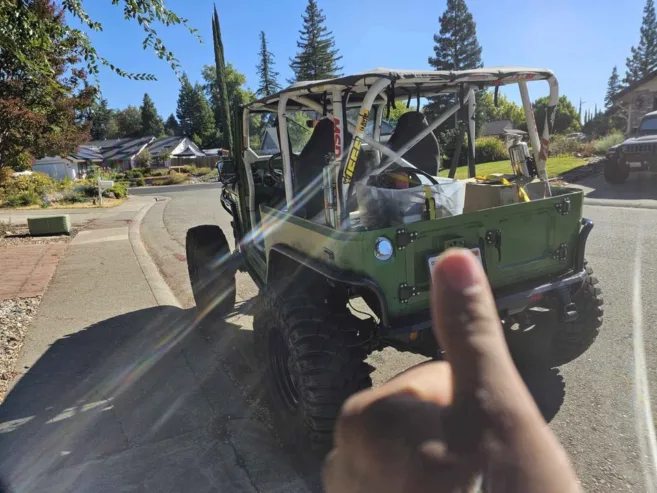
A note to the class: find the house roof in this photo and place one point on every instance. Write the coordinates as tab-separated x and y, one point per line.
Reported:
125	149
87	153
51	161
635	85
496	127
170	143
212	152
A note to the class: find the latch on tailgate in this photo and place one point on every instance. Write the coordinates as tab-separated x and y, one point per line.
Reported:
494	237
561	253
404	238
406	292
563	207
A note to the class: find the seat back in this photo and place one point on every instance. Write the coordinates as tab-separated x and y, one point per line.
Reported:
311	162
426	153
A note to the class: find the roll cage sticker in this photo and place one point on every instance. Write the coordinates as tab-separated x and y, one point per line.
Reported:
337	139
355	151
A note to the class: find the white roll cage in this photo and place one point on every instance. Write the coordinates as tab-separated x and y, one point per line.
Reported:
374	94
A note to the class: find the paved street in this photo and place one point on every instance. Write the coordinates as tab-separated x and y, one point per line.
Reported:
596	419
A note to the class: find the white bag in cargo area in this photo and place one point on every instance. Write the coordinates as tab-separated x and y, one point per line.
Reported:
385	207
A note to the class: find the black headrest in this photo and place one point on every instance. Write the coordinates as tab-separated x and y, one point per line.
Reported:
408	126
320	140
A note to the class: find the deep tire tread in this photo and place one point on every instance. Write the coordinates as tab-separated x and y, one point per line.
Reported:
326	359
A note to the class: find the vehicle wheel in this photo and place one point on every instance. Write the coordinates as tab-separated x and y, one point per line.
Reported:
312	365
572	339
614	174
211	276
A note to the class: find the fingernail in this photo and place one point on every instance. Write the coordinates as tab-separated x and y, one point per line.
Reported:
458	269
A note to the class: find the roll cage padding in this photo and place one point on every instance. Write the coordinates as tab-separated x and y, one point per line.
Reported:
426	153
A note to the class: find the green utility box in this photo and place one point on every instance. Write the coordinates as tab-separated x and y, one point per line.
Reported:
49	225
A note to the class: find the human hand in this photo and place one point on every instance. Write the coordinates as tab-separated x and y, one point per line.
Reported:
439	426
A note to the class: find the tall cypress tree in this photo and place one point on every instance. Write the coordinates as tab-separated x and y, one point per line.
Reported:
644	56
268	76
220	62
317	57
613	88
151	123
456	47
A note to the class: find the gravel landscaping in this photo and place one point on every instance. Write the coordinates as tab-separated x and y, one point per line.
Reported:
15	318
19	235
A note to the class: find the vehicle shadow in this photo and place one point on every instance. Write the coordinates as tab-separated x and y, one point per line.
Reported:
639	186
150	401
548	388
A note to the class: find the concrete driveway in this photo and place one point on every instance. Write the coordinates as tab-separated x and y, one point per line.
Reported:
593	400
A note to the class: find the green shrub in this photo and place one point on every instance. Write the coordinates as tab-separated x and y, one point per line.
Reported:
23	199
160	172
173	179
39	183
144	159
601	146
561	146
202	171
75	197
489	149
140	182
120	190
135	173
86	188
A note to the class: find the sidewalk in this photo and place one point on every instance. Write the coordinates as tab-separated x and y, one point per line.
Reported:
121	390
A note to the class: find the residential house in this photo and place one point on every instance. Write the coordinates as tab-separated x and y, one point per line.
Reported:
499	128
175	147
637	99
72	167
121	153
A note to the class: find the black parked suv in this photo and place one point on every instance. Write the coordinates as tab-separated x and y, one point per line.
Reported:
637	153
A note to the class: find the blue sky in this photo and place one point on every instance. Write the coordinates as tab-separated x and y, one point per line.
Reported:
581	40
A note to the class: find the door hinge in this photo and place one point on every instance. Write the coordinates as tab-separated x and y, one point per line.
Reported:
404	238
563	207
406	292
561	253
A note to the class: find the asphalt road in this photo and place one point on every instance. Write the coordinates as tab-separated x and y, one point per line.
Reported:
600	417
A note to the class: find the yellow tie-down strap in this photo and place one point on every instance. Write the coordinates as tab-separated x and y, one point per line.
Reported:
522	194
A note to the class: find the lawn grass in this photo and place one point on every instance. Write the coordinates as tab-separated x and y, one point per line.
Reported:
555	166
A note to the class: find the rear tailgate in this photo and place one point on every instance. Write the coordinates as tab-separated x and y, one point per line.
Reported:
517	242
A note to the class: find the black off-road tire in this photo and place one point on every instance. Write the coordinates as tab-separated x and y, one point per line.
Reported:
211	276
614	174
312	364
572	339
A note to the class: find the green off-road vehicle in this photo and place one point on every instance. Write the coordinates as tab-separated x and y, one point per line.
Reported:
330	219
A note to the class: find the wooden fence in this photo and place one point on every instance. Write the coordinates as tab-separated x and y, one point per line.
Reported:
199	162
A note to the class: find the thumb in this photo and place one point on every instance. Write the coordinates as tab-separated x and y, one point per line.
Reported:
467	325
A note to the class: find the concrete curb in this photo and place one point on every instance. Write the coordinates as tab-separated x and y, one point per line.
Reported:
160	289
625	204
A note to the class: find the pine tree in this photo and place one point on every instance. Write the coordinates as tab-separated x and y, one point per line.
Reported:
613	88
151	122
268	76
171	126
184	109
644	57
456	47
101	118
220	62
317	57
202	128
